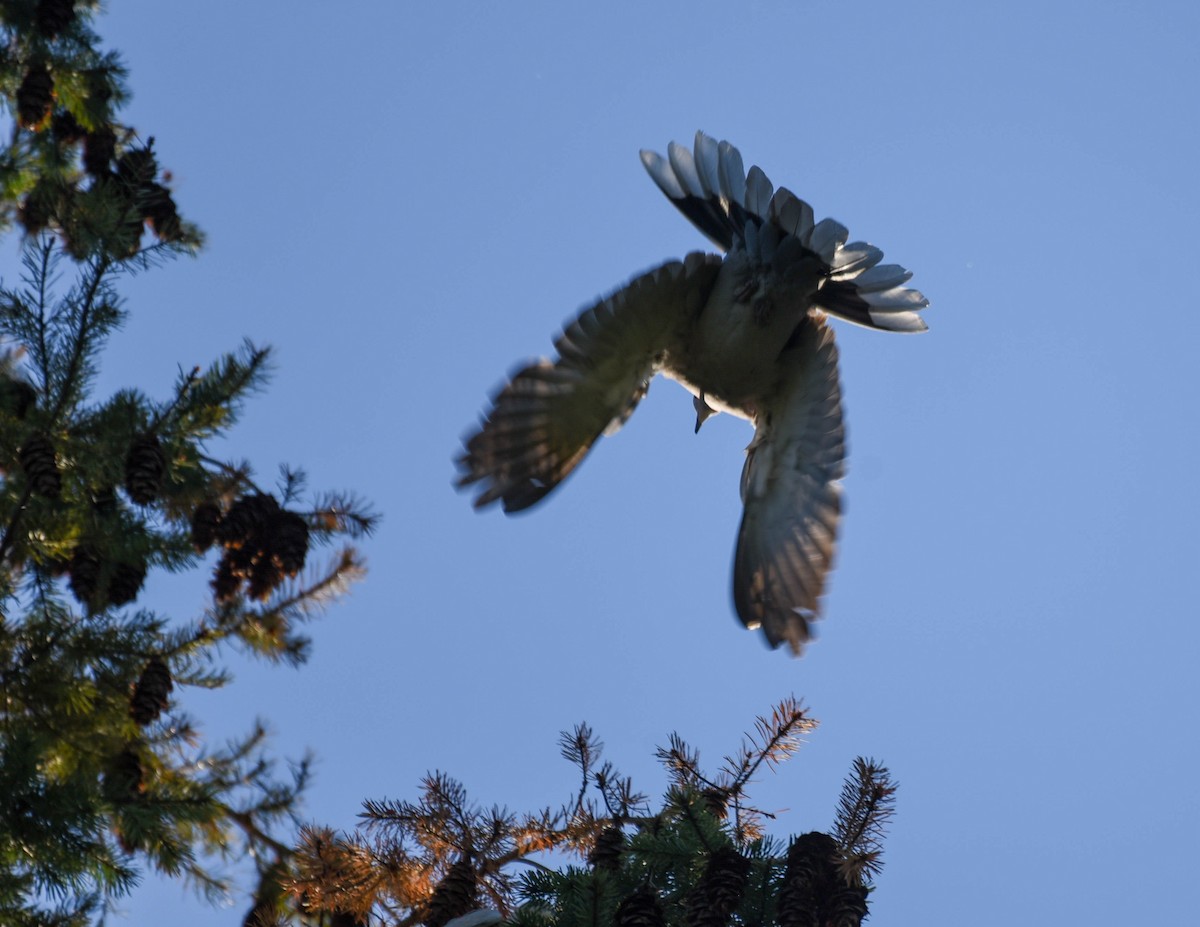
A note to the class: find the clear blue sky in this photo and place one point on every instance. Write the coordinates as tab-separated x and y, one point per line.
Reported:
408	199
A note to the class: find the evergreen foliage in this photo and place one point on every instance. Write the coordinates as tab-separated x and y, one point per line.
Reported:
102	772
701	858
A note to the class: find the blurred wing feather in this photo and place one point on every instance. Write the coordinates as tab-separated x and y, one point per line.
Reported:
545	419
792	494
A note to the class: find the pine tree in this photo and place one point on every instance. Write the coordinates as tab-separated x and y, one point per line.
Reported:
102	771
701	858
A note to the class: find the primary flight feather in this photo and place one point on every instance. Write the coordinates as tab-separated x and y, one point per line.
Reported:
745	332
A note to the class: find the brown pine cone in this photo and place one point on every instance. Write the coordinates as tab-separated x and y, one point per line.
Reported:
265	576
159	208
205	521
454	895
606	854
137	167
41	206
719	890
126	583
290	542
35	97
150	694
16	397
809	878
84	579
54	16
145	469
66	128
716	800
846	907
41	466
125	777
225	581
641	909
98	150
246	520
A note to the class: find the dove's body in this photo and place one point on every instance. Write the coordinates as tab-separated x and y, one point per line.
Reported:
729	355
746	334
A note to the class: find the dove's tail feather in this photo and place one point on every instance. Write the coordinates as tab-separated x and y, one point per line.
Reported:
891	310
711	188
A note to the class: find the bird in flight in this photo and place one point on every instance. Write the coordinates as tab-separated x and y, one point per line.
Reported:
745	332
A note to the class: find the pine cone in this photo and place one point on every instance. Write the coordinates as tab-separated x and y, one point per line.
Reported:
846	907
126	583
719	891
454	895
145	469
241	559
290	543
85	575
125	777
98	150
606	854
225	581
66	128
716	800
265	576
35	97
205	521
42	205
150	694
16	397
247	519
38	461
137	167
641	909
808	880
54	16
159	208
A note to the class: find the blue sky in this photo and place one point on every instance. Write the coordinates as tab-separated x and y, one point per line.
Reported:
406	200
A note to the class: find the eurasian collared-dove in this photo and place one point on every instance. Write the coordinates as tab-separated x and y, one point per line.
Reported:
745	333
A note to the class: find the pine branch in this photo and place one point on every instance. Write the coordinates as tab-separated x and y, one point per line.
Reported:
81	343
343	513
255	835
185	385
581	748
95	765
775	739
214	398
697	865
865	808
683	762
685	803
269	630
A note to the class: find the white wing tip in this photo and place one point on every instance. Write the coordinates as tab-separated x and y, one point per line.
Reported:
904	322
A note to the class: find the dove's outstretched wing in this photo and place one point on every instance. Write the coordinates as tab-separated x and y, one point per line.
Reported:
545	419
791	492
